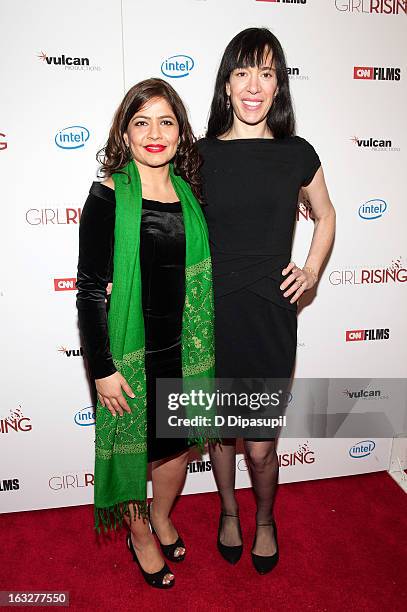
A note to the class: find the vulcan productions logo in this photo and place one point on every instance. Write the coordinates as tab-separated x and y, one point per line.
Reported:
393	274
71	352
383	7
362	335
366	394
67	62
370	73
296	74
15	421
374	144
53	216
9	484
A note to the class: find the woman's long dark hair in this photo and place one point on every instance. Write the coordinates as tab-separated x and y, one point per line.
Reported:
248	48
115	155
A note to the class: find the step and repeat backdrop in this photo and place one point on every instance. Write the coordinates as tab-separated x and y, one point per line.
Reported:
65	68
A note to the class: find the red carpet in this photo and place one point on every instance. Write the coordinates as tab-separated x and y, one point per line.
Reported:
342	547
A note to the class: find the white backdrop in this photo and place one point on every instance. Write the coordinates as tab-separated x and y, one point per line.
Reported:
64	70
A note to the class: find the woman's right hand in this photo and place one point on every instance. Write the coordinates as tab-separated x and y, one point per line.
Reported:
110	394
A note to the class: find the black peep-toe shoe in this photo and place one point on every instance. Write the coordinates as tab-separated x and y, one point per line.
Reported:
231	554
169	549
156	579
264	565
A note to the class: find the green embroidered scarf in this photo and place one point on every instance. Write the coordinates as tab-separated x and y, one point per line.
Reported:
121	442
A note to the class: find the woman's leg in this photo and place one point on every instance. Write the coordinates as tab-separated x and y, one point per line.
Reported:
223	459
263	465
168	477
145	546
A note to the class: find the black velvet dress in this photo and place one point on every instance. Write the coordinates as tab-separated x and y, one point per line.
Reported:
162	262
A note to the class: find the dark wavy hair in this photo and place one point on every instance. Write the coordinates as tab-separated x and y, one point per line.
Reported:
115	155
248	48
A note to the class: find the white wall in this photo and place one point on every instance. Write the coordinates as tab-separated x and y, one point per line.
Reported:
48	457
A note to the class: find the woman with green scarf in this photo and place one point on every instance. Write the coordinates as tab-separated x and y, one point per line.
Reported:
142	229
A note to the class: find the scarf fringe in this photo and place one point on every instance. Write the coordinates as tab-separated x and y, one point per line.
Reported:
113	516
202	441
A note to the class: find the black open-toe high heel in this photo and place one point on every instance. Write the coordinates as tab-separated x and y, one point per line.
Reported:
231	554
264	565
156	579
169	549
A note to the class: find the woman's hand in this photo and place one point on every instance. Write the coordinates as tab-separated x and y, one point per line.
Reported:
110	393
108	291
299	279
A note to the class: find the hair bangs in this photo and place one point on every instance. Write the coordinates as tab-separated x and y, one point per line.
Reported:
252	50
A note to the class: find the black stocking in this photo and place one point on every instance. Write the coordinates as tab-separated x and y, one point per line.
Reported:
223	459
263	465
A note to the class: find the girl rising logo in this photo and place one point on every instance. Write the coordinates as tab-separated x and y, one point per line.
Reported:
15	421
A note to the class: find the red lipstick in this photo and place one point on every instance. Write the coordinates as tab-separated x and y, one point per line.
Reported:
155	148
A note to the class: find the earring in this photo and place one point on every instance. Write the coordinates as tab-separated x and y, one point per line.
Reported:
228	103
128	152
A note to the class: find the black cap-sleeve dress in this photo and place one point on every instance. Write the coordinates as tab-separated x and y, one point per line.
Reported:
251	189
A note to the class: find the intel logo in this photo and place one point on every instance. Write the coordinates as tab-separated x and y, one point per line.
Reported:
177	66
72	137
362	449
372	209
86	416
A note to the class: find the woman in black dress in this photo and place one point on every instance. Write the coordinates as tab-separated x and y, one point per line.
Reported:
253	170
150	126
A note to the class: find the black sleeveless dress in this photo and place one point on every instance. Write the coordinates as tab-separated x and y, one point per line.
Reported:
251	189
162	262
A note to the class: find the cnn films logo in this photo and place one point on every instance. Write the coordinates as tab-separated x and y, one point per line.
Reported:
9	484
296	74
395	273
64	284
53	216
15	421
177	66
285	1
366	394
85	417
374	144
303	456
372	209
67	62
71	352
3	143
72	137
195	467
71	481
370	73
385	7
362	449
362	335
